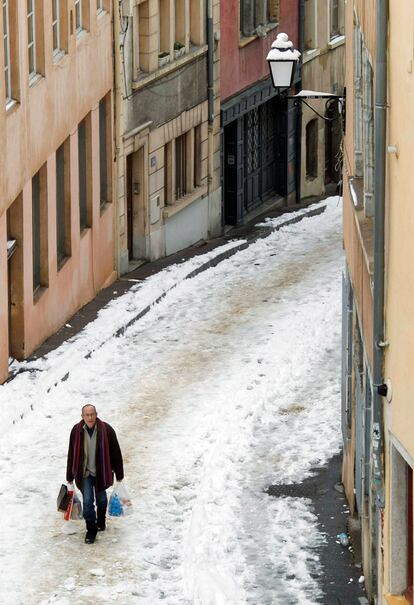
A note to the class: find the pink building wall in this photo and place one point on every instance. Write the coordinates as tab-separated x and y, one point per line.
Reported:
47	114
243	64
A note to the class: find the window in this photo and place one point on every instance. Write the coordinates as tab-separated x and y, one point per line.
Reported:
63	226
144	37
197	28
104	156
36	230
59	26
165	27
183	165
84	168
102	6
11	51
312	149
257	14
81	15
39	229
364	120
31	36
180	24
310	42
6	37
334	18
78	15
56	25
180	167
197	156
35	42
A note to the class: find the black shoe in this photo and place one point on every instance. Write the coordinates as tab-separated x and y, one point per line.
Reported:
101	524
91	531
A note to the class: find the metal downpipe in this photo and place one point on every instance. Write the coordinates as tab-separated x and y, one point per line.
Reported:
379	264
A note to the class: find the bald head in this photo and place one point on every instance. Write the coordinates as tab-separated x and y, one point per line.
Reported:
89	415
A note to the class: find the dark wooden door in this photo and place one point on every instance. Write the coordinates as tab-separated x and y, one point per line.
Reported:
252	160
130	215
268	148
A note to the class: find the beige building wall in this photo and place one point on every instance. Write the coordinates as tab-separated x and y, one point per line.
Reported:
45	112
323	71
163	42
399	326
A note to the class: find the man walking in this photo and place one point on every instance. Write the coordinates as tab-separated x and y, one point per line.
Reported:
94	456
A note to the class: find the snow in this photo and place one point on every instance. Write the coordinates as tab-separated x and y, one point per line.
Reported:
230	383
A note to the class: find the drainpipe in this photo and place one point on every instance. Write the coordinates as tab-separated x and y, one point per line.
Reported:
299	107
378	286
210	62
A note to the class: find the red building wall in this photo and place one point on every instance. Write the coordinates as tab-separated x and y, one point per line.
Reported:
242	66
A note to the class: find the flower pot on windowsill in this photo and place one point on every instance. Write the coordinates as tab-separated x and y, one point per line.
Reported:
163	59
179	50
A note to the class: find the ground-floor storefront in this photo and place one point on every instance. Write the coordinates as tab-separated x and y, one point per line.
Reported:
259	151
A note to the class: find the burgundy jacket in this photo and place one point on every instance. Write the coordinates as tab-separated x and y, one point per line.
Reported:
114	454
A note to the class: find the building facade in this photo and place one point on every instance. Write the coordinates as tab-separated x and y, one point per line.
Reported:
259	126
56	203
167	126
323	70
378	312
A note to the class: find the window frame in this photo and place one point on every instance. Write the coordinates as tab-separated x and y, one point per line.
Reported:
56	27
334	31
7	54
312	149
84	173
104	125
63	204
31	43
314	26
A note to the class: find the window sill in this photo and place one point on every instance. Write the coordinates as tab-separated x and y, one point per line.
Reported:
80	33
34	79
308	55
58	55
145	78
184	201
264	31
103	207
62	263
11	105
336	41
84	231
38	293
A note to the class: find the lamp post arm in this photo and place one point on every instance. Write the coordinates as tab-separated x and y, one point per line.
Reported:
302	99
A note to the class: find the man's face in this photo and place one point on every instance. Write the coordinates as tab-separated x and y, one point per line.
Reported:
89	416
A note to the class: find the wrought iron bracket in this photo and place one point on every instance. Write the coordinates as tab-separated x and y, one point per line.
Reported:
329	100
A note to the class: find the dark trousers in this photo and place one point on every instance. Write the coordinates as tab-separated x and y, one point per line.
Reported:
90	494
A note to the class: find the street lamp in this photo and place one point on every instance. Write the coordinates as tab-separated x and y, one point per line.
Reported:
282	59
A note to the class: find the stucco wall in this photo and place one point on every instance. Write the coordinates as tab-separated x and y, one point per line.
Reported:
243	65
4	336
48	113
400	225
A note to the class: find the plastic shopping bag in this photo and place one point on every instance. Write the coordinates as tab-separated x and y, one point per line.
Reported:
120	501
73	510
76	513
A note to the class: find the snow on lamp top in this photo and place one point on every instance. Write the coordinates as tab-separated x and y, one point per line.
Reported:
282	59
282	50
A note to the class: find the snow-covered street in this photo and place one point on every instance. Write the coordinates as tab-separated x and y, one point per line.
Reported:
228	385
